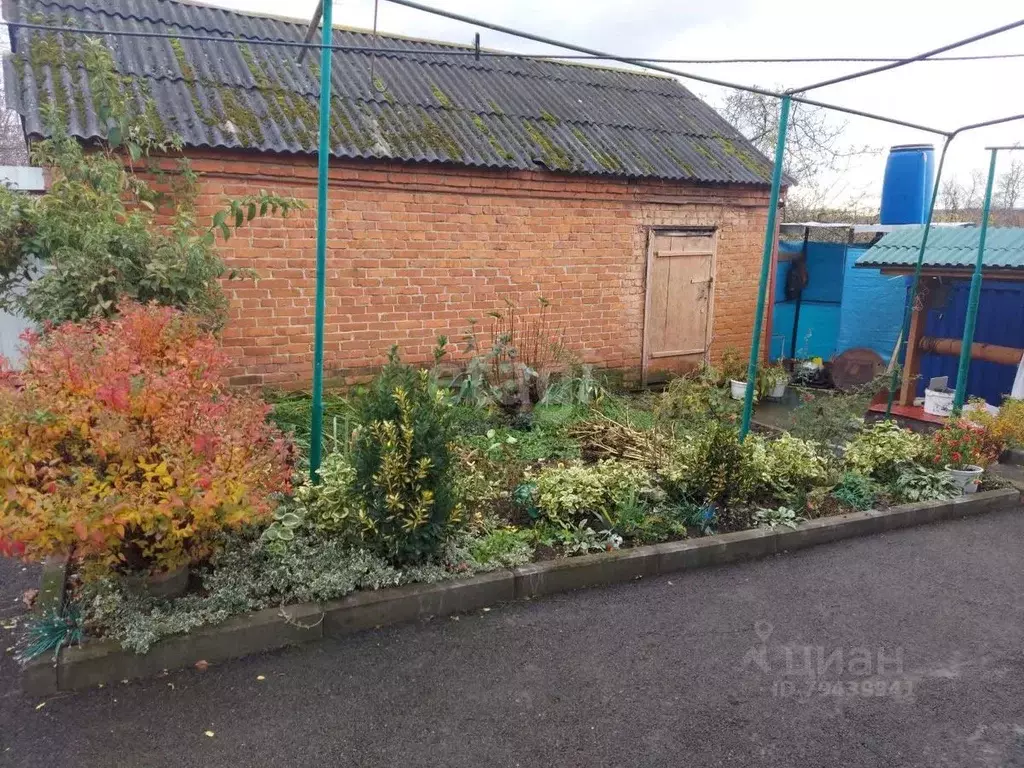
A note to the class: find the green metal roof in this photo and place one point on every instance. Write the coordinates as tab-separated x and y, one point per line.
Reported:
948	248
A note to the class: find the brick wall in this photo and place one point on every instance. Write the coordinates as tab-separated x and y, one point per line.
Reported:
415	251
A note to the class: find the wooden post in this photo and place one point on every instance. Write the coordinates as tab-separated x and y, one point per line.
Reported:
912	363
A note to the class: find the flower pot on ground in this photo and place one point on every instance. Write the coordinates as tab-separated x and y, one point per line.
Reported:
738	389
967	478
772	381
964	450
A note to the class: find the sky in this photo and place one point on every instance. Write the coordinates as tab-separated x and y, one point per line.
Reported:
945	95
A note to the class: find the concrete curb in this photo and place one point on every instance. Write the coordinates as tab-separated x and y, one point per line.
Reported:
1013	456
274	628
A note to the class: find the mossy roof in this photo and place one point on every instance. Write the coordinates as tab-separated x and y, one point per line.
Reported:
417	105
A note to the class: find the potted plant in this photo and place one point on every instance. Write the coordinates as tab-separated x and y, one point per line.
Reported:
734	370
964	450
772	380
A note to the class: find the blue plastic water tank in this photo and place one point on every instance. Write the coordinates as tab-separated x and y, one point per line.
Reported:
907	189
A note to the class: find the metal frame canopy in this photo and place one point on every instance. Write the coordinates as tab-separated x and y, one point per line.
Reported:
323	14
323	17
786	98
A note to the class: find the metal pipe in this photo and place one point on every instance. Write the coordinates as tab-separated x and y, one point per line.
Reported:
316	427
799	298
656	67
317	14
904	333
470	51
766	260
910	60
975	294
990	353
987	123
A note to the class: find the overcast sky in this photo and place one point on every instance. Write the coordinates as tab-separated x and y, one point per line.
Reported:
940	94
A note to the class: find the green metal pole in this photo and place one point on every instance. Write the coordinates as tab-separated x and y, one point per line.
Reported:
766	261
895	379
316	427
975	296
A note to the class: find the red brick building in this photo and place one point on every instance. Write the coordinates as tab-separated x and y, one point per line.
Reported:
456	184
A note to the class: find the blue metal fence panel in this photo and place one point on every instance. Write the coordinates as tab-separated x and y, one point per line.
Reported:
819	309
872	310
1000	321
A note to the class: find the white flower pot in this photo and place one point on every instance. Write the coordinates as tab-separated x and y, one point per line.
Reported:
738	389
966	479
779	390
938	403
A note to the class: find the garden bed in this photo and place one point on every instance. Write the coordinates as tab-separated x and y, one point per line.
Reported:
104	662
154	474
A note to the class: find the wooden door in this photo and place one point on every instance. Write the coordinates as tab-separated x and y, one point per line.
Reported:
680	289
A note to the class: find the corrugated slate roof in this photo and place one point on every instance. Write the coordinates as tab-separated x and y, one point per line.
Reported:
948	247
497	112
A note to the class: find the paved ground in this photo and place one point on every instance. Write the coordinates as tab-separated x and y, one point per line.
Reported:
665	672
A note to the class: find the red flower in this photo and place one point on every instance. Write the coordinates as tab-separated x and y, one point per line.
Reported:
956	456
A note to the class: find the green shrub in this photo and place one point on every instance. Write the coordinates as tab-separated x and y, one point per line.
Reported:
568	492
882	449
917	483
402	498
857	491
712	466
579	386
788	466
577	538
547	438
639	518
695	398
105	235
502	548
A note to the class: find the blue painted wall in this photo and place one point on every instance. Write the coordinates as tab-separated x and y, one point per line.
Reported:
842	308
1000	321
872	308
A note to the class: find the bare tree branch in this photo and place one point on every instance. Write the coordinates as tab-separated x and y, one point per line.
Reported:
814	149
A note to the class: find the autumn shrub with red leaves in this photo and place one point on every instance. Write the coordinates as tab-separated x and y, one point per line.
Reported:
120	443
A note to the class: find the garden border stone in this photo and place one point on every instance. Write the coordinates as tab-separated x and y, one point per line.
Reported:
104	662
1013	456
412	602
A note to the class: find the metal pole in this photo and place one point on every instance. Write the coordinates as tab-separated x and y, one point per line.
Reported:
656	67
912	59
799	298
975	295
917	278
766	261
317	15
316	427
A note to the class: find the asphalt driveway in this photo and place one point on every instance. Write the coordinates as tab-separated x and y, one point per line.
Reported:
771	663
